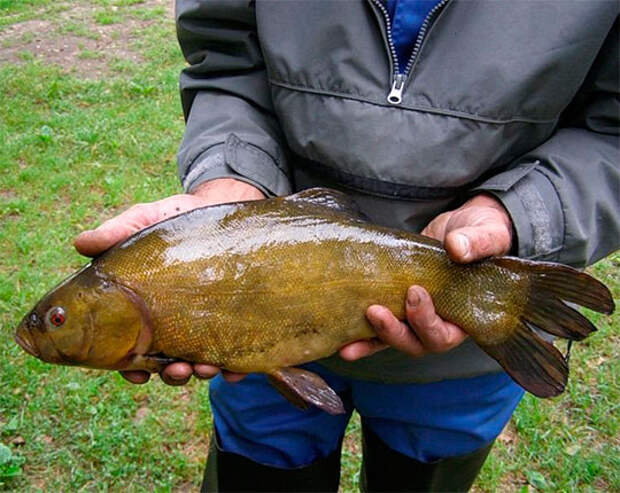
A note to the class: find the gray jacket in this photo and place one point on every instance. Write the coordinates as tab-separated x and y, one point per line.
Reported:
514	98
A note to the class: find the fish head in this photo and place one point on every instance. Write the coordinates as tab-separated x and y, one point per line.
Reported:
88	320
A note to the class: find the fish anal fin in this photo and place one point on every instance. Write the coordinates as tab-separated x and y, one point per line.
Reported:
307	387
333	199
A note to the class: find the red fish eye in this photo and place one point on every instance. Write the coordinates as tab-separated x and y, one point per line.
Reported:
56	316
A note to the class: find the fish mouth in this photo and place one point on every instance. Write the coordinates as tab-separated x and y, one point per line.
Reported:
23	339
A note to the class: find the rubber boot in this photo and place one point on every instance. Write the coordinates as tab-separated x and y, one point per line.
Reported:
228	472
384	469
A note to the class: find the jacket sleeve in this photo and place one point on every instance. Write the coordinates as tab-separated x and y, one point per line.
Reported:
564	196
231	131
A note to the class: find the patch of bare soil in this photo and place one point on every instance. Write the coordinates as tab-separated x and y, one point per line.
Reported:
88	49
509	436
7	195
185	488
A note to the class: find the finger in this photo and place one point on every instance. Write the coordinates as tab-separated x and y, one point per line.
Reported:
437	227
132	220
472	243
394	332
232	377
362	349
205	371
137	377
176	373
435	334
92	242
95	241
175	205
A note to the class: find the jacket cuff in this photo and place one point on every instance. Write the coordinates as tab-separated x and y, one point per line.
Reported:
239	160
534	207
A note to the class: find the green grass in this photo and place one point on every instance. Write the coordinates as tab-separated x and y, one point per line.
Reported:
74	152
13	11
78	29
107	17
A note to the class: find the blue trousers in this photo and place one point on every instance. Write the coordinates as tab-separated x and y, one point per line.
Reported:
426	422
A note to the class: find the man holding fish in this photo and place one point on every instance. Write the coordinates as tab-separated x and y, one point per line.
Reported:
490	126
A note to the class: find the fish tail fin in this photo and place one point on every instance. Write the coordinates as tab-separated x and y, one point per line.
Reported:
536	365
531	361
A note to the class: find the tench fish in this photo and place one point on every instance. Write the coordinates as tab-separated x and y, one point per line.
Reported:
264	286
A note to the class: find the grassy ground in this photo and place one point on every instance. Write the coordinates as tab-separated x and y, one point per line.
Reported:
89	123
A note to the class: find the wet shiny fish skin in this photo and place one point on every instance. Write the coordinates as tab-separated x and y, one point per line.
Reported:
262	286
278	284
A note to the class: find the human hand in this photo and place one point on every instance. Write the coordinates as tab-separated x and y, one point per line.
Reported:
480	228
140	216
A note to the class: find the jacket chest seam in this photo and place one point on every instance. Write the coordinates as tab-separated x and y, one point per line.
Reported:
449	112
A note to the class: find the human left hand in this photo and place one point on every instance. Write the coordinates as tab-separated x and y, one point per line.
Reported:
480	228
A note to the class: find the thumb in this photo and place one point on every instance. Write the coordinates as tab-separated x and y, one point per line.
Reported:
472	243
95	241
137	217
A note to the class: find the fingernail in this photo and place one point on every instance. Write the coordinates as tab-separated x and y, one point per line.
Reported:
413	298
464	245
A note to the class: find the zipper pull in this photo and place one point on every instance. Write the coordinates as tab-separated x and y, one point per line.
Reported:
396	93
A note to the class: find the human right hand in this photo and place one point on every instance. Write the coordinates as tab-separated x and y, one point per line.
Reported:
480	228
140	216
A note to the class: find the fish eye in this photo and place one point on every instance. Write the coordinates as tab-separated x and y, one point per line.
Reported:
55	317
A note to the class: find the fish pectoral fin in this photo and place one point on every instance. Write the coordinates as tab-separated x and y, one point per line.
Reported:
153	363
333	199
302	387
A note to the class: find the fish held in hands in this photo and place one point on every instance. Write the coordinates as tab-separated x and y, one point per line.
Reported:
264	286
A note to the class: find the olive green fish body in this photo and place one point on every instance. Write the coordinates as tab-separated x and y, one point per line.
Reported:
264	286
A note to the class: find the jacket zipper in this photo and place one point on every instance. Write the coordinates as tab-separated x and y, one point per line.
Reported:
395	95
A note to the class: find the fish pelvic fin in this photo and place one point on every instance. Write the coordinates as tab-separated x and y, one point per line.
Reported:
532	362
304	388
286	392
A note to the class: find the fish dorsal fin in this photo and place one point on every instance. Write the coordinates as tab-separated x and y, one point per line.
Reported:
332	199
302	386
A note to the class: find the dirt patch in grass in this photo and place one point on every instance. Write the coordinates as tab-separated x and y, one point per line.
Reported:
513	482
509	436
185	488
78	40
6	195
